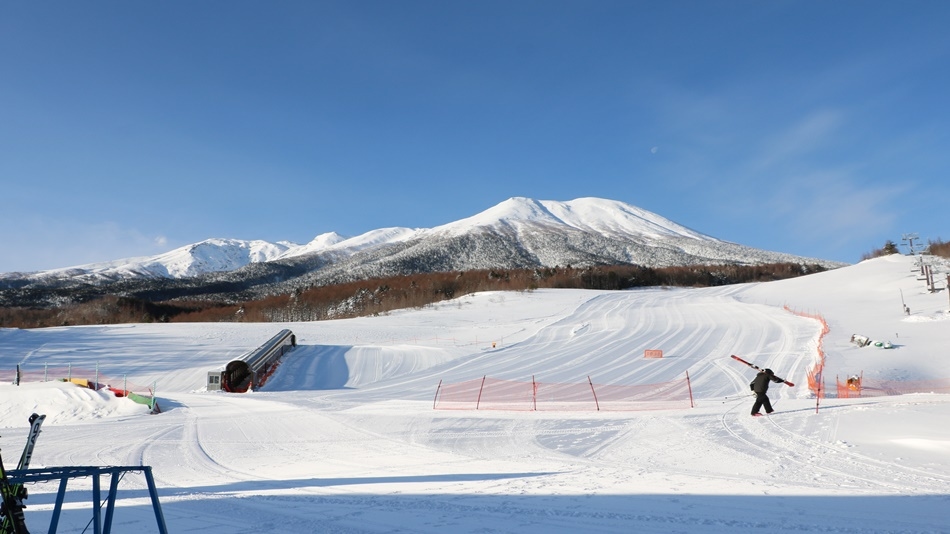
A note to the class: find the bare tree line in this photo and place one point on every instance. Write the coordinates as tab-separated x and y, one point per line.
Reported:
378	296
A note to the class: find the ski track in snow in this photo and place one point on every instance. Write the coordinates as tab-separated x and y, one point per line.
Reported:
812	462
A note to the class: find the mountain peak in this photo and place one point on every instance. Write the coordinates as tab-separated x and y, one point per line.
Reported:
514	211
210	255
607	217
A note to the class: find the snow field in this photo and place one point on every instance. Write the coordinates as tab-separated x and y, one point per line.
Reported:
344	438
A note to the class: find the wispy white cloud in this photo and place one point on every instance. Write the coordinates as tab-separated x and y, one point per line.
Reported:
806	135
802	172
833	207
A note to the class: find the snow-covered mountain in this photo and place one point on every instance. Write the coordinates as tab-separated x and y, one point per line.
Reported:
517	233
526	233
210	255
609	218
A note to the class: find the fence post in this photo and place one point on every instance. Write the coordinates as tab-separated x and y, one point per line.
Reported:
97	377
690	388
46	372
480	388
596	403
534	393
69	371
16	380
436	394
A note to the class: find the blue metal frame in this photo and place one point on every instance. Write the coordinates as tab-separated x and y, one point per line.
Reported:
63	474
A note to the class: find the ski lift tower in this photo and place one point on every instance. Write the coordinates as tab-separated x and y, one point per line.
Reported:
914	248
908	241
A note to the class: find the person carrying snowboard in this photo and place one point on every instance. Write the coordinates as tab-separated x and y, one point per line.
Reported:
760	385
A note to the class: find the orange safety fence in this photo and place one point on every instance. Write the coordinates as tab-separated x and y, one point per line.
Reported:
815	374
850	388
498	394
857	387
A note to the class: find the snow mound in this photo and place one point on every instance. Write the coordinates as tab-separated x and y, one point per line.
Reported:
63	403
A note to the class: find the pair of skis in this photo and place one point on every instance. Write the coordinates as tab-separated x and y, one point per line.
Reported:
756	367
11	507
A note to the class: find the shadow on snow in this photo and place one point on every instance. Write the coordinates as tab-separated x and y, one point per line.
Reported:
315	507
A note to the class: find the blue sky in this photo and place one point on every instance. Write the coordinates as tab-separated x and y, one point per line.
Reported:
131	128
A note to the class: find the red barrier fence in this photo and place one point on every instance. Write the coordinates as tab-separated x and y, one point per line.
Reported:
497	394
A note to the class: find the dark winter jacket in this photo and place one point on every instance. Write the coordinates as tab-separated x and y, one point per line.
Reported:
761	382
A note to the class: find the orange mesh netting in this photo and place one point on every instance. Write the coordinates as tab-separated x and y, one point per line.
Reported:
815	374
496	394
858	387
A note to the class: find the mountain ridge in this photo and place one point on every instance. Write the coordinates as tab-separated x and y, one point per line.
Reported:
517	233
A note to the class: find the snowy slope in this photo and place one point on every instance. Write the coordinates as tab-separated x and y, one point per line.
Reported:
601	216
344	438
373	238
337	244
210	255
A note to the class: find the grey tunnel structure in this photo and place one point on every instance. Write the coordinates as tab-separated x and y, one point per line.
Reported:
252	369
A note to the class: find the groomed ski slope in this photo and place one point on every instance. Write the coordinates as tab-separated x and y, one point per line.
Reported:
344	438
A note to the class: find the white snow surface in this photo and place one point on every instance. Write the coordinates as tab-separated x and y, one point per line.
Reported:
598	215
344	437
334	242
210	255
